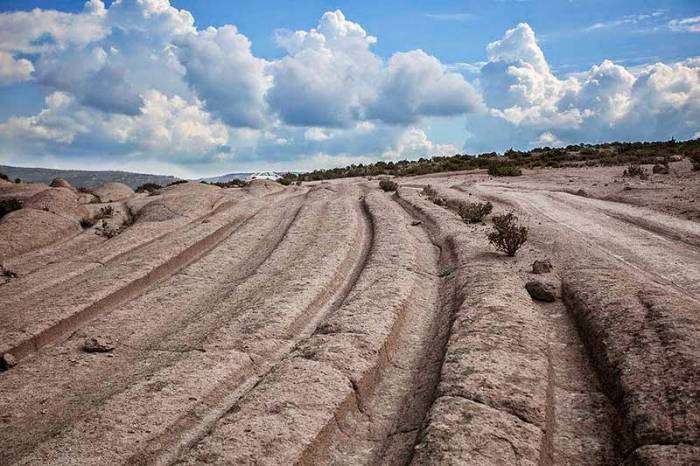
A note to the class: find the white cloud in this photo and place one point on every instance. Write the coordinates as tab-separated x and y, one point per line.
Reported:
685	25
606	102
39	30
14	70
414	143
327	77
416	84
222	70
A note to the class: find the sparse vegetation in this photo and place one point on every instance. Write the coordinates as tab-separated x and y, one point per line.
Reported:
575	155
638	171
177	182
105	212
474	212
388	185
149	188
432	195
9	205
18	180
504	169
507	235
86	223
84	190
4	177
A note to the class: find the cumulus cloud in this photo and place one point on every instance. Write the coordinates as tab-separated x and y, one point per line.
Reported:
14	70
606	102
416	84
222	70
169	128
328	76
414	143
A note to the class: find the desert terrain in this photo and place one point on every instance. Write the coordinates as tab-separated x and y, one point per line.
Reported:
335	323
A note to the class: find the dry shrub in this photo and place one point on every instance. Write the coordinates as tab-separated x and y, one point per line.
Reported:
507	235
636	171
474	212
105	212
432	195
388	185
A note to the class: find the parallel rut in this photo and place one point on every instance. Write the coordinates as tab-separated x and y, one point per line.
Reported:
385	429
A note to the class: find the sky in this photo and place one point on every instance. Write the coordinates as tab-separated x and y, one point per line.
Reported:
198	88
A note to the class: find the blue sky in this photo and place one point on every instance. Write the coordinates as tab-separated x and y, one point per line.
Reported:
193	87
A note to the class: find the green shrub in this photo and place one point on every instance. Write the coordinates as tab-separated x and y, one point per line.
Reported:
388	185
4	177
474	212
149	188
507	235
504	169
9	205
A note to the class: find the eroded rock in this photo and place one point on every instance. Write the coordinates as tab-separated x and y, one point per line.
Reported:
541	290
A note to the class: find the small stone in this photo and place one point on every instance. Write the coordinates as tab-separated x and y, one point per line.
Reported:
96	345
415	223
541	291
7	360
581	192
543	266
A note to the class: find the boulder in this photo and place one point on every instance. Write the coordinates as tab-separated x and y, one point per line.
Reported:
543	266
541	290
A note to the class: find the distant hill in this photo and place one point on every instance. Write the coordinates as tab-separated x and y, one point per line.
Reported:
83	177
225	178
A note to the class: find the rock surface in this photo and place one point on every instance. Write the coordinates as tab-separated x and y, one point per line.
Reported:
112	192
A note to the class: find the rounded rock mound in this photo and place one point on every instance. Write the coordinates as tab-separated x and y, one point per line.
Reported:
60	201
113	192
60	183
27	229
